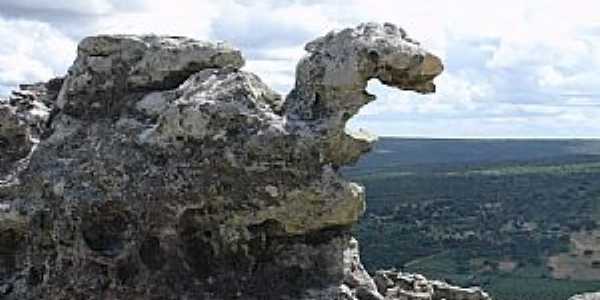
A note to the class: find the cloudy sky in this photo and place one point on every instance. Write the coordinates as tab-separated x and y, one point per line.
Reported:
513	68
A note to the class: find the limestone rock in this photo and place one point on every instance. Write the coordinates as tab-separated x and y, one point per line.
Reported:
15	140
160	170
588	296
357	284
331	81
111	72
23	121
397	285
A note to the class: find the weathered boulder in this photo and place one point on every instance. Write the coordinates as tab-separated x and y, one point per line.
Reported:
23	118
588	296
111	72
163	171
398	285
15	140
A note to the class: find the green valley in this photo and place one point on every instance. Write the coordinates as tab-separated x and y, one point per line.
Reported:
518	217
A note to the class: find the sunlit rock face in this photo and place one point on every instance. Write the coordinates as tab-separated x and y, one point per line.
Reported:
157	169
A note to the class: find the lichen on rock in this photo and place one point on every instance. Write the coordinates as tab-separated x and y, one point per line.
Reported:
160	170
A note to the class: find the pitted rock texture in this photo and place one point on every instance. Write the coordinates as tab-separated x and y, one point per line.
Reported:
112	72
157	169
331	82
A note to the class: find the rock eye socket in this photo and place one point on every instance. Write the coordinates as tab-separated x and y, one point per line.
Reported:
104	228
373	56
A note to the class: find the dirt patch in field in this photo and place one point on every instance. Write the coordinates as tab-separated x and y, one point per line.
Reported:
582	262
507	265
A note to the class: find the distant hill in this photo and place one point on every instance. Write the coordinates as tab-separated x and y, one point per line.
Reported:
398	151
519	217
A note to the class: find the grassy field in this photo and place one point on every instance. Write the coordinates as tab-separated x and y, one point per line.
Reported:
464	210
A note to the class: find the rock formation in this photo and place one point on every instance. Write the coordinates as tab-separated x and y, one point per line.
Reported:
157	169
398	285
588	296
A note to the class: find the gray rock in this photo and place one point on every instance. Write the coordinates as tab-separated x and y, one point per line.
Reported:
15	140
111	72
162	171
587	296
398	285
331	81
23	121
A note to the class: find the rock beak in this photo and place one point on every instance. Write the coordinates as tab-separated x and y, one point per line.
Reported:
425	73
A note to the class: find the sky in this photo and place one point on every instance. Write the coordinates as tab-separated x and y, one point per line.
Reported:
513	68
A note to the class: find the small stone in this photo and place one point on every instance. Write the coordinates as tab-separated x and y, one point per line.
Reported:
152	104
59	188
6	289
272	190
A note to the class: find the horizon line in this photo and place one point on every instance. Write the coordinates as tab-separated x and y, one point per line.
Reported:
488	138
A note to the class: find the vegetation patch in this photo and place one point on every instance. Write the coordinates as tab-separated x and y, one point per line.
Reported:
519	218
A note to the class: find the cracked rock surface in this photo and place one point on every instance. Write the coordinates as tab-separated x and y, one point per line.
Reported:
157	169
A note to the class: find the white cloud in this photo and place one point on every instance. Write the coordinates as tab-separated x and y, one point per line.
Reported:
512	67
32	51
89	7
184	17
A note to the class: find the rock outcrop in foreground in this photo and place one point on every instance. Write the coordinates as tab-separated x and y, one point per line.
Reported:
157	169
